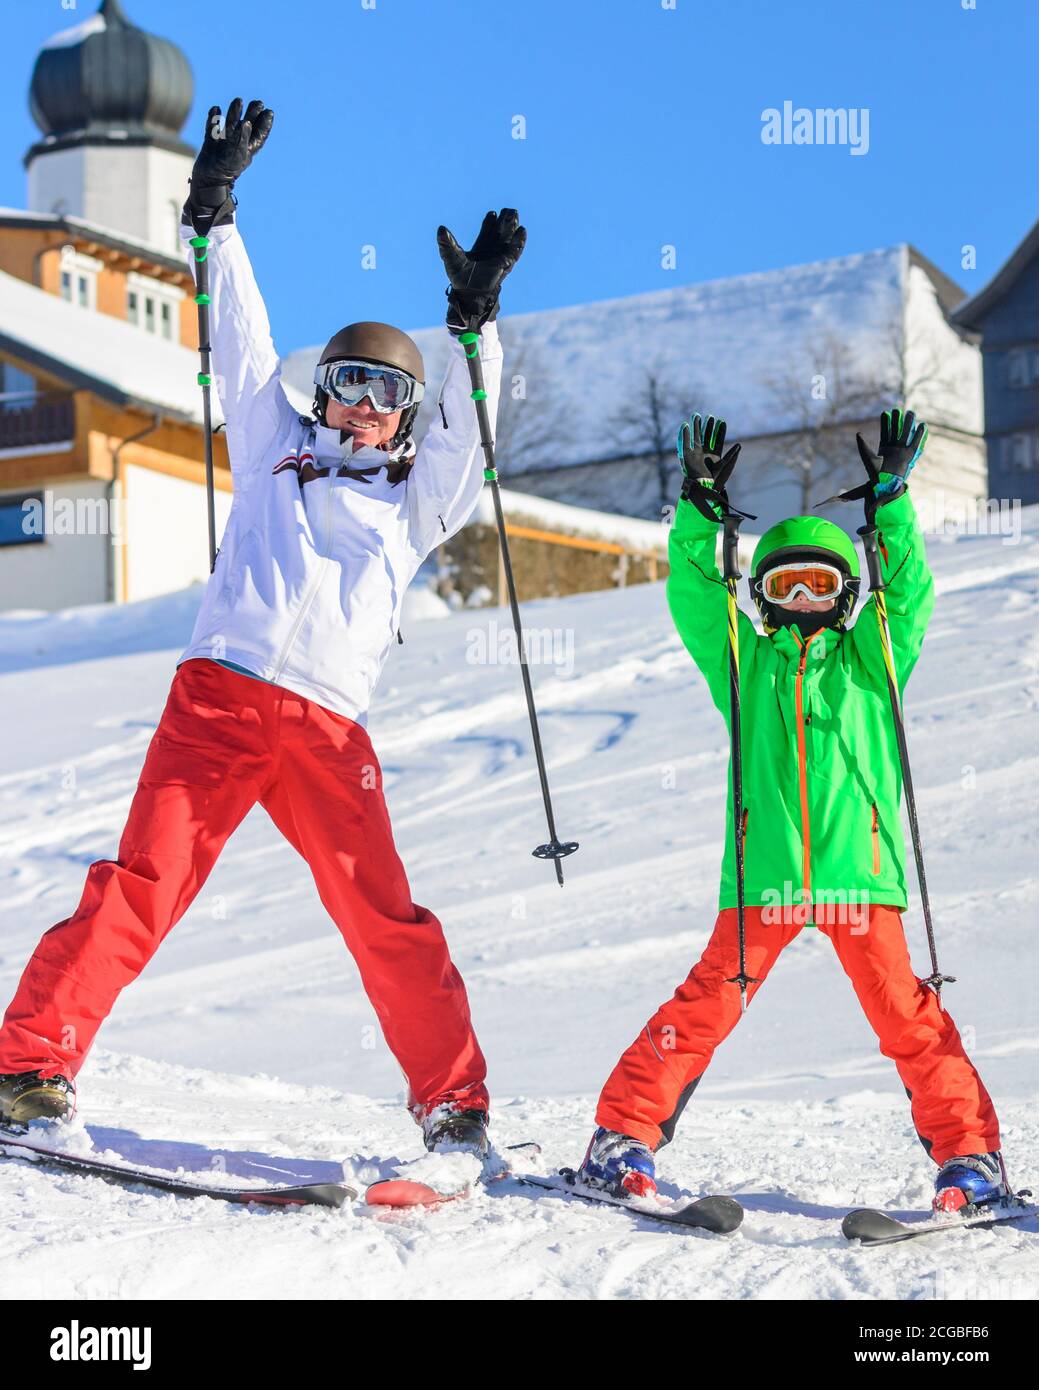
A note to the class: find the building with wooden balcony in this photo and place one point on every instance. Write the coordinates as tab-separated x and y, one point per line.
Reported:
101	443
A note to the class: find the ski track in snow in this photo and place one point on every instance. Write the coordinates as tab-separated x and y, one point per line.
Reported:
249	1042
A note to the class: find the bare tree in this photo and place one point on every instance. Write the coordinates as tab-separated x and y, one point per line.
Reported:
930	368
534	418
654	407
828	395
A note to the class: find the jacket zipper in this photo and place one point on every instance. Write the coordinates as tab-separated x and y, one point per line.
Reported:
315	584
802	775
876	837
746	813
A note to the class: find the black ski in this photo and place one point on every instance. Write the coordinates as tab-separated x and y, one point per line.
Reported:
320	1194
720	1215
873	1227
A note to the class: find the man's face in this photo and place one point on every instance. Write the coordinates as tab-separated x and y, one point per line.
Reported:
363	423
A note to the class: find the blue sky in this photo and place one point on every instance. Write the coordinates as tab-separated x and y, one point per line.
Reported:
643	129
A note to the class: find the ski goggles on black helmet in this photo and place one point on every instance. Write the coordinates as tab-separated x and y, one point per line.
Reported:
349	382
810	579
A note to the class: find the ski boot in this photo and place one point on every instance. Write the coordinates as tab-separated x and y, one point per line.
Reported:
619	1164
446	1130
26	1096
971	1180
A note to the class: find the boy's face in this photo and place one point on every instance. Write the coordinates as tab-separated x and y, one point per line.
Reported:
801	604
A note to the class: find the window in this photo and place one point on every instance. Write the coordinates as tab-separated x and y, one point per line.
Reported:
153	306
17	388
79	278
1023	367
1021	453
16	519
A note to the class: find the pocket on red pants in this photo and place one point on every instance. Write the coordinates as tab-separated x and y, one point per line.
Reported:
172	762
207	733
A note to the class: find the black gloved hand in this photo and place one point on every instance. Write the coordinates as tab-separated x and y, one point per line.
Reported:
700	449
902	441
225	155
706	468
476	275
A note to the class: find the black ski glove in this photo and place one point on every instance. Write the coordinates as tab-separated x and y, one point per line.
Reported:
476	275
706	469
225	155
902	441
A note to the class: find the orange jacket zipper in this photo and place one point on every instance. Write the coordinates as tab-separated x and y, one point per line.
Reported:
802	775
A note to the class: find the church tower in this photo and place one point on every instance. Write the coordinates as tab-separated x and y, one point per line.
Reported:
110	101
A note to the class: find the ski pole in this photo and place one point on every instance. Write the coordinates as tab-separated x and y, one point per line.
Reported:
201	245
877	585
730	573
555	850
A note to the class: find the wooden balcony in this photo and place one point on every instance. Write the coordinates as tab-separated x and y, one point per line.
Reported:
35	422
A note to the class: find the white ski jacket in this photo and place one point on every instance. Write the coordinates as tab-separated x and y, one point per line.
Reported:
313	565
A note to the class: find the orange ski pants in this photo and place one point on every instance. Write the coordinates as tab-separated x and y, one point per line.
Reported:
655	1077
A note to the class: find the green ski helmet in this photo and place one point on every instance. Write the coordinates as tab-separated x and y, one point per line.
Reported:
805	538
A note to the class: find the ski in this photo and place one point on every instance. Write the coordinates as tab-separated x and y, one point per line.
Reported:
873	1227
719	1215
406	1192
320	1194
403	1191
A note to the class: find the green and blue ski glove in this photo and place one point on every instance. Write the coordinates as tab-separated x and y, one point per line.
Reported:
706	467
902	441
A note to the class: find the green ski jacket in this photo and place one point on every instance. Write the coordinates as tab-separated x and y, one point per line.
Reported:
822	781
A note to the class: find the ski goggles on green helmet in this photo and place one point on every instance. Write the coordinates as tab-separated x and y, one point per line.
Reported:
811	579
349	382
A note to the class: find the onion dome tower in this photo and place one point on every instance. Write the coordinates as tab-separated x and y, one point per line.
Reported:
110	101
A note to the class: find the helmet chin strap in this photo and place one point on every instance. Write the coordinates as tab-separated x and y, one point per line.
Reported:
804	620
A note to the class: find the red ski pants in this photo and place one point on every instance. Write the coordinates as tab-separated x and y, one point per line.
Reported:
226	741
655	1077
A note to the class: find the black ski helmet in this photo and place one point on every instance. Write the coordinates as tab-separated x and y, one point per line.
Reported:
378	343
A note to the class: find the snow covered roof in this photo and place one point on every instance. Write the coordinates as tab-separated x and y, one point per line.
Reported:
718	342
972	312
92	231
95	351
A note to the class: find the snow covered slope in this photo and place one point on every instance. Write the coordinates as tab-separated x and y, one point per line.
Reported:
248	1040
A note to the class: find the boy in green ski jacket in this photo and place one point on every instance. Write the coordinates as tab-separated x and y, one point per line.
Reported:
821	827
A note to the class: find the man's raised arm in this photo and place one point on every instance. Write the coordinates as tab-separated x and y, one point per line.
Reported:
246	367
445	483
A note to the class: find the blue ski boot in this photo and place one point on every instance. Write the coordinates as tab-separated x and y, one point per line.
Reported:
619	1164
971	1180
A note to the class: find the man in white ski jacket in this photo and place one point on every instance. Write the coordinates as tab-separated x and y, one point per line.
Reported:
330	521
